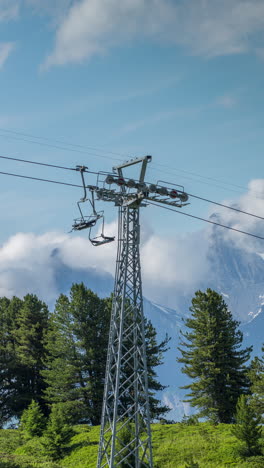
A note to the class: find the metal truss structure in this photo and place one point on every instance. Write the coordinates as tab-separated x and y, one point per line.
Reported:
125	427
125	437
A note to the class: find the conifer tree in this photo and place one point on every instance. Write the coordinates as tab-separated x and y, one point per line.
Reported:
9	363
76	352
33	421
76	349
256	376
213	359
247	427
58	433
155	352
23	324
32	322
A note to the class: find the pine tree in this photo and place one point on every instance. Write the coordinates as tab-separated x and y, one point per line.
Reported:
33	421
155	352
256	375
32	323
212	357
9	363
23	324
76	350
58	433
247	427
76	353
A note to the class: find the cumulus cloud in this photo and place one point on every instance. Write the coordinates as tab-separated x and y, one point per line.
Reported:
28	265
250	202
205	27
5	50
173	267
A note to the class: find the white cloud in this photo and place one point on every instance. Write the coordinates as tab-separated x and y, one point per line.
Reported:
5	50
251	202
172	266
27	264
205	27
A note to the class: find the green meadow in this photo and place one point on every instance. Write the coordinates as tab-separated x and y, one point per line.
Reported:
179	445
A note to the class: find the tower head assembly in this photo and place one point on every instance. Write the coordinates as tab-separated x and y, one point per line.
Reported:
123	191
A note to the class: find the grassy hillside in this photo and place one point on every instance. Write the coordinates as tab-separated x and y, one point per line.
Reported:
174	446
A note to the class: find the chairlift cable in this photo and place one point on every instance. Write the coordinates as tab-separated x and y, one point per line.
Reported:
43	164
114	153
92	172
37	163
206	220
200	175
64	148
42	180
149	203
225	206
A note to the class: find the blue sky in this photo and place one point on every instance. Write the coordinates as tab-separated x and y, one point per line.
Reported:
181	80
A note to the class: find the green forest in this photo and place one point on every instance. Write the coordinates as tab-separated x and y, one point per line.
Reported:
52	369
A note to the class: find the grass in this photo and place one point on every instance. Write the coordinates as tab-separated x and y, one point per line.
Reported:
174	446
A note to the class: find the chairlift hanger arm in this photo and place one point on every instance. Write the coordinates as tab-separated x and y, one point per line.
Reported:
82	169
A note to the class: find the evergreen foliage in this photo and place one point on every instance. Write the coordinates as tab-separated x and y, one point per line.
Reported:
155	352
23	324
58	433
61	357
124	440
33	421
76	353
256	375
213	359
247	428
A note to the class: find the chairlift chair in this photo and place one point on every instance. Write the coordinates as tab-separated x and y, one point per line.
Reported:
102	239
85	222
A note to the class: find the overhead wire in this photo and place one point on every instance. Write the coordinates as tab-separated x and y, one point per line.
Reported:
92	172
39	179
225	206
148	202
43	164
82	151
115	153
37	163
41	143
206	220
201	176
175	171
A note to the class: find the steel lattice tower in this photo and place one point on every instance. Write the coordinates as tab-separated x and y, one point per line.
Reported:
125	438
125	428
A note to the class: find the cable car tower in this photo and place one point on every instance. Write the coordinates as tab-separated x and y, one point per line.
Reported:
125	438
